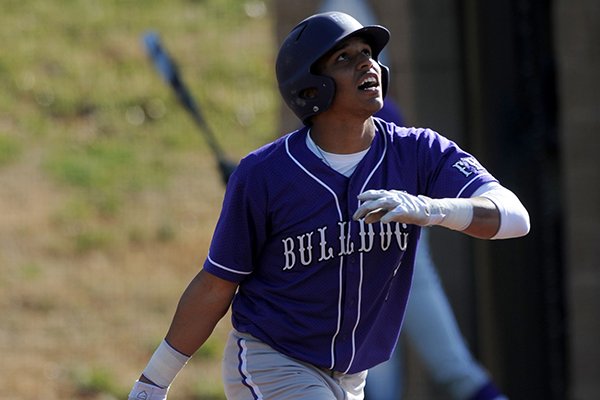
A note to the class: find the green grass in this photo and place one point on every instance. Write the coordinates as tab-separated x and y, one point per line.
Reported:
107	171
10	149
108	192
80	85
96	380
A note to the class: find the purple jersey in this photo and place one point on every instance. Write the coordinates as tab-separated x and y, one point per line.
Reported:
314	284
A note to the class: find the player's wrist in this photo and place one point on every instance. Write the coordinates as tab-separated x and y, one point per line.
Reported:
144	379
455	214
164	365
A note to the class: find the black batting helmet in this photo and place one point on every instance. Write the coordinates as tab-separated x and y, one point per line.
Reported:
306	44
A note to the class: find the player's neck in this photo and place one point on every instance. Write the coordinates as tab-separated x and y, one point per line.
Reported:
342	137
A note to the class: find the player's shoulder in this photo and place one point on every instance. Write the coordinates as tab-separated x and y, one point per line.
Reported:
405	133
266	156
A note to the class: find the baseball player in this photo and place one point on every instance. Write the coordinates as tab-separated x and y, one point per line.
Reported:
315	245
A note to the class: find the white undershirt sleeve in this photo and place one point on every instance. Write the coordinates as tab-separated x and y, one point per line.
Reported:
514	218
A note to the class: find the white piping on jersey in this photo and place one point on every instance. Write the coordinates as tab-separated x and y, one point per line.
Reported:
359	301
358	304
337	203
361	268
235	271
339	321
466	186
339	210
385	144
244	369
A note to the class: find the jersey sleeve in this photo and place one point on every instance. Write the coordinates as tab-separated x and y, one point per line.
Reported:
453	172
240	229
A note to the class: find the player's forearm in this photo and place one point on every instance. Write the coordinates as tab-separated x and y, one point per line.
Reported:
204	302
202	305
475	216
486	219
497	214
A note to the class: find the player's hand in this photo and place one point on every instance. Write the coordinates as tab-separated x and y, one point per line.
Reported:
146	391
398	206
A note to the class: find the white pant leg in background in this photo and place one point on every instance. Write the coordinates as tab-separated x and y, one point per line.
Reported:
386	381
431	329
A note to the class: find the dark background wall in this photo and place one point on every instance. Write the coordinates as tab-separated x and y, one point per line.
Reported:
577	51
516	83
509	76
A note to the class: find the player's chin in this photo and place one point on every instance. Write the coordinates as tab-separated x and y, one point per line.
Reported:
374	97
374	103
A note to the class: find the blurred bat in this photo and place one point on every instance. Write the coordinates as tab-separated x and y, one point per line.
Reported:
170	73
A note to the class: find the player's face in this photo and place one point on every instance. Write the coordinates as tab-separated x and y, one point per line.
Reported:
357	77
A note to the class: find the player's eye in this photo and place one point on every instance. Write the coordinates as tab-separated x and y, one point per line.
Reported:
342	57
345	56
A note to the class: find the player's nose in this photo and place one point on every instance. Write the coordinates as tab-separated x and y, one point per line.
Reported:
365	62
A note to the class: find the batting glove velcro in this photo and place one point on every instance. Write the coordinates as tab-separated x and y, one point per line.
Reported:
146	391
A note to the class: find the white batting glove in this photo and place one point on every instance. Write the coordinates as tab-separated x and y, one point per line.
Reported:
394	205
146	391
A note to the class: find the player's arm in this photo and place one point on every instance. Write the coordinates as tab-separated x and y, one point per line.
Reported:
493	212
204	302
497	206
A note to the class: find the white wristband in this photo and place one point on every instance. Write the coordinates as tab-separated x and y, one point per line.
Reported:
165	364
456	214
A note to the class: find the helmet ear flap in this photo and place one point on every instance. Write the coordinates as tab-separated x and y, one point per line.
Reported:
315	96
385	79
